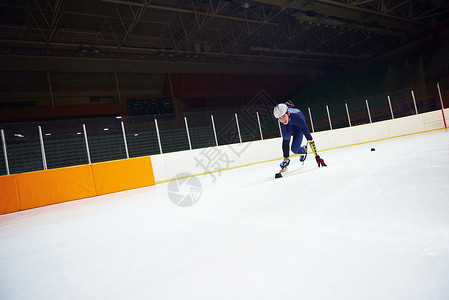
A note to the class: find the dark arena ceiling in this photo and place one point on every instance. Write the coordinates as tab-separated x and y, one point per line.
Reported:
291	37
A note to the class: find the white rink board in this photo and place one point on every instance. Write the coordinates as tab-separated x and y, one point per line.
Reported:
199	161
170	165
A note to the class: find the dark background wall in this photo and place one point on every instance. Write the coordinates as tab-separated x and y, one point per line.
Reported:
68	59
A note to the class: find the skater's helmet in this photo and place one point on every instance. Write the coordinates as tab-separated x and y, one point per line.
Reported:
280	110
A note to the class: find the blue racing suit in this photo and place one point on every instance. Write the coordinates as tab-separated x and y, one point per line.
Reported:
297	128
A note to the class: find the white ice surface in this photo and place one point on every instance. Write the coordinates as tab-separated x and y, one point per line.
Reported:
372	225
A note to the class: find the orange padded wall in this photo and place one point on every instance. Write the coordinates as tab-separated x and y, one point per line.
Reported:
55	186
40	188
120	175
9	196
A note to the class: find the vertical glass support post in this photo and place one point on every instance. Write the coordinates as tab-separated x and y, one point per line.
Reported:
260	127
158	136
87	144
414	102
124	140
41	139
188	134
369	113
311	120
238	127
279	124
347	113
5	152
213	127
442	105
329	116
439	93
391	108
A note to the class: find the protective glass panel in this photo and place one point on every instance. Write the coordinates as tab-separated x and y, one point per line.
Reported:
338	115
141	136
105	139
23	146
64	143
173	133
201	130
379	107
269	125
358	112
226	127
402	103
249	126
427	98
319	117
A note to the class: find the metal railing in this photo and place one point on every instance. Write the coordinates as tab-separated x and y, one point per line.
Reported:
32	146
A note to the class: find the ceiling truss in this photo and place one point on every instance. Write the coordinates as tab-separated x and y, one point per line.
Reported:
322	34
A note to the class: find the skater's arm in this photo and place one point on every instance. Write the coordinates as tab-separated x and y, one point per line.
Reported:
318	159
286	135
305	129
286	148
312	146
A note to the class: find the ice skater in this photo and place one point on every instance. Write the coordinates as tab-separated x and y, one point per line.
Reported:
293	123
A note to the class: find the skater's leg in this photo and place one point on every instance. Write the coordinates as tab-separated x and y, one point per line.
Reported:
296	143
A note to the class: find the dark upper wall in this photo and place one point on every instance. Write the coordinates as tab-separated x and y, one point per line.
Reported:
200	91
424	60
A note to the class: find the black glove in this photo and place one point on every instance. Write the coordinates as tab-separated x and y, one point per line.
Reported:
320	161
285	163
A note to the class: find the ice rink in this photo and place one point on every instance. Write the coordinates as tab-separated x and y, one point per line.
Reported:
372	225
